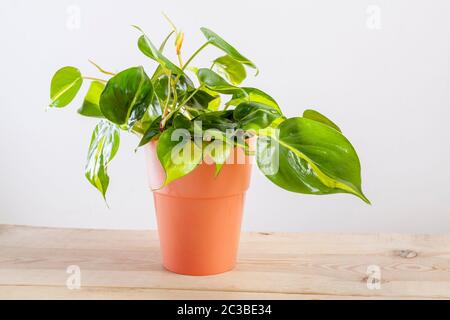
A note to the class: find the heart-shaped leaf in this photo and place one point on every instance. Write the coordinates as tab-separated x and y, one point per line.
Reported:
255	116
220	43
253	95
126	96
317	116
178	154
91	103
306	156
64	87
231	69
102	149
215	82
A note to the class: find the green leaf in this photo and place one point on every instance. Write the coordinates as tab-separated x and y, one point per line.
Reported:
220	120
306	156
220	43
91	103
151	133
255	116
217	149
231	69
203	99
253	95
215	82
149	49
181	122
161	86
126	96
64	87
178	154
314	115
102	149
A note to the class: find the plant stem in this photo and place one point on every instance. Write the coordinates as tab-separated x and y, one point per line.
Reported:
183	103
94	79
194	55
180	60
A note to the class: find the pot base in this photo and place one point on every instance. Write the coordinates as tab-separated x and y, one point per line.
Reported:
199	236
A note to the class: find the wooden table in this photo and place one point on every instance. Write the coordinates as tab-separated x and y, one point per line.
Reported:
127	265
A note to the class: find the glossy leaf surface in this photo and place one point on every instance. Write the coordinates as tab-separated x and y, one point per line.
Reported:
317	116
255	116
215	82
220	43
178	154
248	94
64	87
307	156
91	103
102	149
126	96
232	69
151	133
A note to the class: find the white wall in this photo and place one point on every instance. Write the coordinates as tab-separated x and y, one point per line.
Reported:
387	88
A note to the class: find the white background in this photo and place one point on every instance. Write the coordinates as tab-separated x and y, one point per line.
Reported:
387	88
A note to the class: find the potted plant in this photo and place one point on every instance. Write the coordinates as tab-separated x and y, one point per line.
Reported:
199	149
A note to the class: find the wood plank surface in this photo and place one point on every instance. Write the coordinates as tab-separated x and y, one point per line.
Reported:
127	265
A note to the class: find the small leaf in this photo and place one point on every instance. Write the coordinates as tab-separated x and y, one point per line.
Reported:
220	120
102	149
218	149
91	103
215	82
314	115
148	48
255	116
151	133
178	154
181	122
64	87
220	43
232	69
306	156
253	95
204	99
126	96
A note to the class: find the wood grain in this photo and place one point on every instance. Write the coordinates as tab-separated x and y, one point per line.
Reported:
127	265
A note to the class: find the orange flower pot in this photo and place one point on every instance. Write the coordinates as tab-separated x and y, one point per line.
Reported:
199	215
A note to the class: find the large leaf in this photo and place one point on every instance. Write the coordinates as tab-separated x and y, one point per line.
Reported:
102	149
317	116
215	82
231	69
91	103
307	156
220	43
178	154
255	116
253	95
126	96
64	87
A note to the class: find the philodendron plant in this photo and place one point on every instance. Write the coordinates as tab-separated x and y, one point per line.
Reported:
305	154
